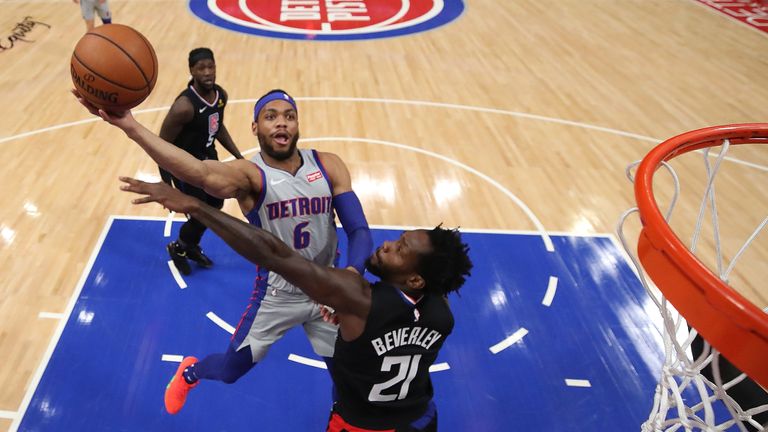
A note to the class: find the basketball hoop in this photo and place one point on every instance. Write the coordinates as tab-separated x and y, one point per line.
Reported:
728	323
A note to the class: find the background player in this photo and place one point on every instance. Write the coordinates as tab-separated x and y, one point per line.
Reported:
88	7
294	194
390	332
194	121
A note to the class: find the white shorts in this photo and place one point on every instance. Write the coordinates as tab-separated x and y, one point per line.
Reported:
87	7
279	312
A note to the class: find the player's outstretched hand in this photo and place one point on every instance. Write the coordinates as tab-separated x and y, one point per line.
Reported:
161	193
120	119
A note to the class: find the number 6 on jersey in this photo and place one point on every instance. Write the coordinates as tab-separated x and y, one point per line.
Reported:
300	237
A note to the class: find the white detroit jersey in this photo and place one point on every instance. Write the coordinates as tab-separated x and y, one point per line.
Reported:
297	209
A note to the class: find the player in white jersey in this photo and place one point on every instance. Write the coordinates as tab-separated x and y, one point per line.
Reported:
293	194
88	7
386	328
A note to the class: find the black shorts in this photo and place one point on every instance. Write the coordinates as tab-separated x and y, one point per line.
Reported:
192	190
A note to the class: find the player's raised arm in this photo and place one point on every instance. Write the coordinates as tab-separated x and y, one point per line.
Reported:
345	291
213	176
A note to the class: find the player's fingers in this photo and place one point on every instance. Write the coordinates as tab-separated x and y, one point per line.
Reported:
135	186
78	95
143	200
129	180
91	108
134	182
134	189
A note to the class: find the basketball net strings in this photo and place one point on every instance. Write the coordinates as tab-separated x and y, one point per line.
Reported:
677	363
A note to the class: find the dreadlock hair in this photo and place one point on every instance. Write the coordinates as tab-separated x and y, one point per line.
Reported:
445	268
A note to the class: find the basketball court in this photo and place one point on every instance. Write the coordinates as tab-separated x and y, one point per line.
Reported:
513	120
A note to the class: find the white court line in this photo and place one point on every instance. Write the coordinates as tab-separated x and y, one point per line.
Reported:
413	227
172	358
147	218
54	341
9	415
402	102
50	315
168	224
499	231
48	129
220	322
505	112
307	361
74	123
176	275
35	381
506	343
550	294
543	232
439	367
577	383
472	108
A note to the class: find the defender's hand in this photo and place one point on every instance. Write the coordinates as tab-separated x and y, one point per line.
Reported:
161	193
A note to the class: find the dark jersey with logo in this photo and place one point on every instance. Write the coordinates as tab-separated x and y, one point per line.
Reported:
196	137
382	377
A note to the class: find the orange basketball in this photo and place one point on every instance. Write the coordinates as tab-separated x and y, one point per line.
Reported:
114	67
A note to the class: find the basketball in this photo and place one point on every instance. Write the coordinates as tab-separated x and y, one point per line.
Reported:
114	67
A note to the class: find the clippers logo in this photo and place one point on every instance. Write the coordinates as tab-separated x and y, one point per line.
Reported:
328	19
213	124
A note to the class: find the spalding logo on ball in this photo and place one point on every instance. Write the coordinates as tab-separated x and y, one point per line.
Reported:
114	67
327	19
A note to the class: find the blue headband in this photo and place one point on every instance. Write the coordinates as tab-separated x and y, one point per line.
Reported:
269	97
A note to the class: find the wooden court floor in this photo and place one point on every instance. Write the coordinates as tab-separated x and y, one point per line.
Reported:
517	116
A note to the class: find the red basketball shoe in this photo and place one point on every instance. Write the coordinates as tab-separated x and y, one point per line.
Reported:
177	389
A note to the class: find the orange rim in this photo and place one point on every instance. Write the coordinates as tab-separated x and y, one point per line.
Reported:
728	321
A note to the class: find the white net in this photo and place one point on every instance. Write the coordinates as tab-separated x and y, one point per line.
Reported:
699	390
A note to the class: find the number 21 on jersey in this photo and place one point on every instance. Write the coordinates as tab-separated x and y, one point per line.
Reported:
407	367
